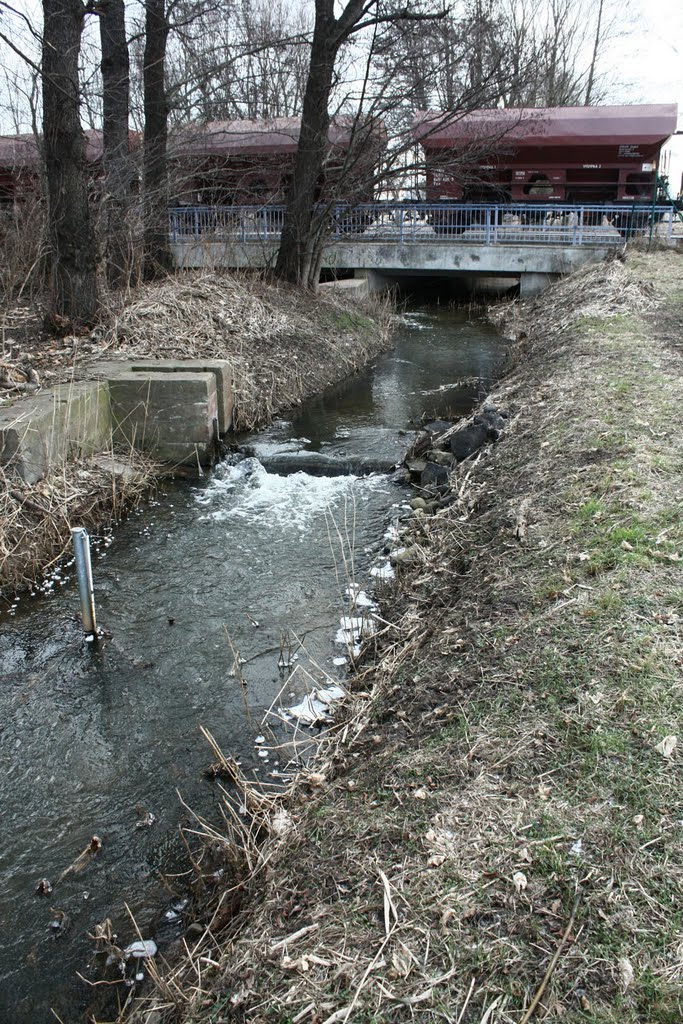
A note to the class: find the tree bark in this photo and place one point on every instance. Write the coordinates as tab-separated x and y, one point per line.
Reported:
295	260
117	163
73	278
299	255
157	258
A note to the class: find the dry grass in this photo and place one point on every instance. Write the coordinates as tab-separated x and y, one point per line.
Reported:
36	519
283	346
495	836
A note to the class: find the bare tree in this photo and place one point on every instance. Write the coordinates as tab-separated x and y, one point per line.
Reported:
297	260
157	257
520	53
118	171
73	279
247	59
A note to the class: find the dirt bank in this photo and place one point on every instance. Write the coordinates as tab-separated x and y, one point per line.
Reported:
493	833
284	346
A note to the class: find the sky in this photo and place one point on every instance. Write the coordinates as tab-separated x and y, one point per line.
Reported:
648	61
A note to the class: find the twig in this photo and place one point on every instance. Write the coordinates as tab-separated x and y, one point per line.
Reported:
551	966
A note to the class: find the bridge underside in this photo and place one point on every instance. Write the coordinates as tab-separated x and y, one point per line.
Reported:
532	266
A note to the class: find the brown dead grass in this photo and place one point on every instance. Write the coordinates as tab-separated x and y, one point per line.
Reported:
283	346
495	835
36	519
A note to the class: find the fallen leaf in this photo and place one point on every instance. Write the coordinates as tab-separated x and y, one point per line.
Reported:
402	963
421	793
436	860
447	916
625	546
638	819
667	746
519	881
626	973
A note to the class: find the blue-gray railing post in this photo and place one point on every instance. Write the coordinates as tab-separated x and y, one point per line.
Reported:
495	225
487	222
581	226
265	225
196	222
400	225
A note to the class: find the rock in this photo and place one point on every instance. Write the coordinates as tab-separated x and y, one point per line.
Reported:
492	418
418	503
416	466
404	556
468	440
401	476
440	458
433	475
436	428
422	443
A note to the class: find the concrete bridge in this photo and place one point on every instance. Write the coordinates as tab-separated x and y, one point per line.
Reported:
529	245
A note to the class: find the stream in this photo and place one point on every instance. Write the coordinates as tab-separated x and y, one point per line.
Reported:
242	573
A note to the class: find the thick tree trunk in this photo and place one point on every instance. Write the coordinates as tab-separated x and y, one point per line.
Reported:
117	163
297	260
157	254
73	279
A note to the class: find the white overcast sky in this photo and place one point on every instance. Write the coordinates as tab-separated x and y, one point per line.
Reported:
647	60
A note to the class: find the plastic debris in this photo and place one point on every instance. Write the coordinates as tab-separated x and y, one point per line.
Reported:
141	950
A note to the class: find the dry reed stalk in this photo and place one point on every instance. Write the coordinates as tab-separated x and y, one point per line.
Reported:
36	519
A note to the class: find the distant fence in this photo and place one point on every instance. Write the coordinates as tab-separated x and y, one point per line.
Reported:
409	223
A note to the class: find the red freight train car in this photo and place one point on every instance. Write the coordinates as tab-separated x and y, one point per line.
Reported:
225	163
549	155
20	163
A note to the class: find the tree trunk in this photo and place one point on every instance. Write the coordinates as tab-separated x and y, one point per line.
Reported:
116	158
157	254
296	261
73	280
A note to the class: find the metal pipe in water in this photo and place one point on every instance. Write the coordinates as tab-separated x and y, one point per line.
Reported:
81	543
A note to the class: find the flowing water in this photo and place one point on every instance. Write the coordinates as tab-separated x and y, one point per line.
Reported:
104	740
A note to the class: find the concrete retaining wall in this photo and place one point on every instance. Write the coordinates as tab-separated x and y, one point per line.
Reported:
174	410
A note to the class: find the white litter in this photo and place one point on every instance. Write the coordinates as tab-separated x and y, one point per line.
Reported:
141	950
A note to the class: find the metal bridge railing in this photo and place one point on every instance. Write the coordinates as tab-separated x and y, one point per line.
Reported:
409	223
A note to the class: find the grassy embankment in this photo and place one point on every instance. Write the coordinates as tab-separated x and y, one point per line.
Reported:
494	832
283	347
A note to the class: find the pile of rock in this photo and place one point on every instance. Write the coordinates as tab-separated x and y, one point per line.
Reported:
440	445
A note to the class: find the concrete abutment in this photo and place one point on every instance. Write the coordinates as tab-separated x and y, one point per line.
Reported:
172	409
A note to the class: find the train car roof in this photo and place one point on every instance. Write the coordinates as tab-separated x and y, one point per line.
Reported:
242	137
24	150
548	126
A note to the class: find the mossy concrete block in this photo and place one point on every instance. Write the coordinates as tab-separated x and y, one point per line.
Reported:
66	421
172	416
